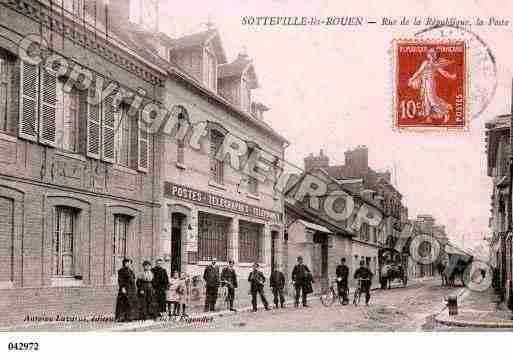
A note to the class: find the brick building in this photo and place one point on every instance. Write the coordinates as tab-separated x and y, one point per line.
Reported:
76	177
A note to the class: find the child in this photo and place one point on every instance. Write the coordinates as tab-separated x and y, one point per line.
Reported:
172	296
183	292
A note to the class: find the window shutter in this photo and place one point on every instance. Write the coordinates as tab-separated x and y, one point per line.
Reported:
108	129
29	86
93	129
47	109
143	144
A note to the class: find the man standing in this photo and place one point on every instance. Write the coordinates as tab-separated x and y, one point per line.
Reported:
277	284
160	284
342	273
363	275
257	280
229	278
301	278
211	278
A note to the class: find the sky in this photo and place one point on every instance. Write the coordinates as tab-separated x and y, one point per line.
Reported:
330	88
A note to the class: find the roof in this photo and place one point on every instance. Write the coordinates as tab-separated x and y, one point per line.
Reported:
199	39
241	65
315	227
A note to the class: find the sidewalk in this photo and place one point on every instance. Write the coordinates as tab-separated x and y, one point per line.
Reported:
479	310
105	321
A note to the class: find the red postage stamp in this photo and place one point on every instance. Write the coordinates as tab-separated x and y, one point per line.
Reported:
430	84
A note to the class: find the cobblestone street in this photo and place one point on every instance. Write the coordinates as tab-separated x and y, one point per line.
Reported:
407	309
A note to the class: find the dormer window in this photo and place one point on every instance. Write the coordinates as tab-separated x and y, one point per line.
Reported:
210	70
245	94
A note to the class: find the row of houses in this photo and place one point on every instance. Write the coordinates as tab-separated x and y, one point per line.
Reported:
84	184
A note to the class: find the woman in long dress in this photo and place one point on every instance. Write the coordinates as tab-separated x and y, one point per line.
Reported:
173	297
126	303
424	80
146	293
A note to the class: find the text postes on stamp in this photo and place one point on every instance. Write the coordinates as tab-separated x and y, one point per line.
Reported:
430	84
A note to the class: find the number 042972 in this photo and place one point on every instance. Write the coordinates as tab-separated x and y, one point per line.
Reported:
23	346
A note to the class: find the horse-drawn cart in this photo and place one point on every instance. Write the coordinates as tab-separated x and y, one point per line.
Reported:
393	266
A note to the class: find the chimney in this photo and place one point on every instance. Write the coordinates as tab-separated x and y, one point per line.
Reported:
358	161
312	162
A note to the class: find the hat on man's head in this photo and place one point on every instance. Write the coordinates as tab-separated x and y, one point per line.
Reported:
299	258
146	263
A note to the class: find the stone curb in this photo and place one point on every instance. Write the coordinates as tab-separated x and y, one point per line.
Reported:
444	319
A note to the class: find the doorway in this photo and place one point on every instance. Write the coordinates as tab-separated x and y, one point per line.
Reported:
177	221
274	239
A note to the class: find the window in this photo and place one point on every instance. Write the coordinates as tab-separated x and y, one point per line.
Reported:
64	241
119	241
212	236
5	76
249	242
245	95
66	118
216	166
75	7
210	70
252	185
182	118
122	136
364	231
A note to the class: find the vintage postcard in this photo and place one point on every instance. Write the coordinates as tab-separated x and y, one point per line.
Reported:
241	166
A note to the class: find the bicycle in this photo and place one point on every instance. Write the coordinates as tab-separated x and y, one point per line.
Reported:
358	292
330	294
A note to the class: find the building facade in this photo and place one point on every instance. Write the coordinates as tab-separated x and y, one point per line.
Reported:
498	154
76	177
212	203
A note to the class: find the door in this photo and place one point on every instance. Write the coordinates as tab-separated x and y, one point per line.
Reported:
176	242
274	236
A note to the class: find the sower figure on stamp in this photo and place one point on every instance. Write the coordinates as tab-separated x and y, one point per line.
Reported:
342	273
257	280
160	284
211	278
229	279
302	280
277	284
126	303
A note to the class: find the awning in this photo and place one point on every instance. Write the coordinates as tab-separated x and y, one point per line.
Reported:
314	226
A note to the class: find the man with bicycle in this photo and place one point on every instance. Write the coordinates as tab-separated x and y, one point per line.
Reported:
363	275
342	273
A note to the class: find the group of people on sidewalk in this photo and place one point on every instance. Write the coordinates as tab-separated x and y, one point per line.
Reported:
151	293
214	279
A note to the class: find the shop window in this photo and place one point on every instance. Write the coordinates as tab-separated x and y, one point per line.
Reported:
250	235
119	241
5	79
364	231
216	166
212	237
64	241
